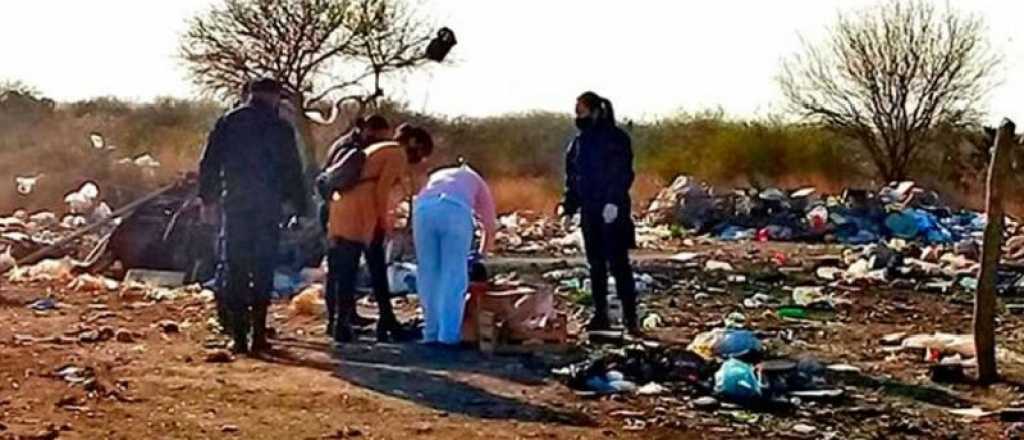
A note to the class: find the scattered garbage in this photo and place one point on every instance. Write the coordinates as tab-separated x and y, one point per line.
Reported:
310	302
43	305
155	278
620	370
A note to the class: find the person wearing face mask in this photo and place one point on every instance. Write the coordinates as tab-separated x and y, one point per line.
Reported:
599	174
250	168
361	219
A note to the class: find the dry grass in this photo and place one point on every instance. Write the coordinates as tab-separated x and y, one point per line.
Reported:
524	194
522	155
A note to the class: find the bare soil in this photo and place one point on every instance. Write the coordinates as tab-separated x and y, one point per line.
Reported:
159	385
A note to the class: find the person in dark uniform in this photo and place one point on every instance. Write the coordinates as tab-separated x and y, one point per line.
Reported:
599	174
251	166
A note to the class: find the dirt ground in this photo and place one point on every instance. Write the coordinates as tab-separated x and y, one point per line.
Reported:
150	381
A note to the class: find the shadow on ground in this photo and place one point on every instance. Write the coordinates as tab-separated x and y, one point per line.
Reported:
431	378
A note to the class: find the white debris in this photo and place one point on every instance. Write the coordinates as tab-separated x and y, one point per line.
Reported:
43	219
97	140
805	296
652	389
146	161
26	184
7	261
684	257
72	221
715	266
803	429
84	199
44	271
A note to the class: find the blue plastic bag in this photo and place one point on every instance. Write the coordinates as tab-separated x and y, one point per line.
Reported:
736	381
737	343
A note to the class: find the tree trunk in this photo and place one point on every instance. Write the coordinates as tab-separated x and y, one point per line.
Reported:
307	149
985	299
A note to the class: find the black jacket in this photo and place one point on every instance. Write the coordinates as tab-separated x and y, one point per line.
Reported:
251	163
599	170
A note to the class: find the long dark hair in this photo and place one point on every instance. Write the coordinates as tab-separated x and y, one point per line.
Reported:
601	106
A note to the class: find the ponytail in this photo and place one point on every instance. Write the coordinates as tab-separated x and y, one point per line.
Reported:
602	107
609	111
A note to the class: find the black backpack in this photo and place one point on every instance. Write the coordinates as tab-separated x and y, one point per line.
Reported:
342	175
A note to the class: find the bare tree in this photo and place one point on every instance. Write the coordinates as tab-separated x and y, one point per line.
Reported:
329	53
888	75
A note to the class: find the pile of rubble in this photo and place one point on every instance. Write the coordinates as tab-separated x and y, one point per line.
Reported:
900	210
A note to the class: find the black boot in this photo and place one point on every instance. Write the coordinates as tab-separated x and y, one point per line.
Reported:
629	318
259	329
388	330
599	322
342	329
240	333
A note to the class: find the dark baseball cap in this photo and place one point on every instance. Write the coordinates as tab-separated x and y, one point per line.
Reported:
265	85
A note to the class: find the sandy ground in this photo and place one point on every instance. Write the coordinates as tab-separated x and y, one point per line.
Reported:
159	384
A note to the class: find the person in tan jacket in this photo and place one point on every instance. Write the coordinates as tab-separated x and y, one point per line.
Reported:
360	220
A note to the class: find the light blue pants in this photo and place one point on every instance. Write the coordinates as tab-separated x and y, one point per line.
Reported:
443	232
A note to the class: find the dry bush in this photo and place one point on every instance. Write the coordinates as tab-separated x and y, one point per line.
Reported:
57	146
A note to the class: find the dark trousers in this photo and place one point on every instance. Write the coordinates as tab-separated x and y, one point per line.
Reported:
342	273
608	248
250	242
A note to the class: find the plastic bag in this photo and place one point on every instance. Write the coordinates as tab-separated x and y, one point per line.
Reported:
737	343
402	278
737	382
704	344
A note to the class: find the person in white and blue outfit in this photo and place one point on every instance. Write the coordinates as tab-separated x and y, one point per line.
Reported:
443	229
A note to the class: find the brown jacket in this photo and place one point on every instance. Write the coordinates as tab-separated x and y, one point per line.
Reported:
358	213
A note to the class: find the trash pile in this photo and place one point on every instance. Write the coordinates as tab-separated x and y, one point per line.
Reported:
900	210
530	233
23	233
728	364
936	268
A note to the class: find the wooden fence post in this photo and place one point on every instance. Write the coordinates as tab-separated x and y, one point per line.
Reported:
985	299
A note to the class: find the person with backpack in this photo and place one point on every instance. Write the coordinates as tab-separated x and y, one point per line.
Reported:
360	219
366	131
251	167
443	232
598	177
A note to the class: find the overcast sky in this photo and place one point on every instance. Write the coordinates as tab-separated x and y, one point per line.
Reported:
651	57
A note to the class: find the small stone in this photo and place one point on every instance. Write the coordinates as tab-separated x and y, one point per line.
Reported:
424	428
168	326
229	428
706	403
106	333
219	356
124	336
